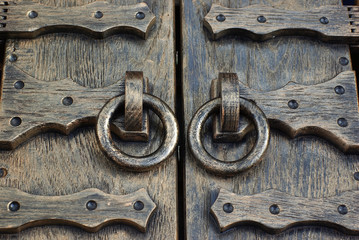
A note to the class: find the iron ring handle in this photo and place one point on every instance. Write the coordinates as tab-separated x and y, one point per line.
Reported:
134	163
228	168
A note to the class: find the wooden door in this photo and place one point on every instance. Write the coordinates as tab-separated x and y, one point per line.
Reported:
57	162
308	167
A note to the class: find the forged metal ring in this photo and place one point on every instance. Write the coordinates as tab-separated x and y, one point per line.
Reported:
135	163
228	168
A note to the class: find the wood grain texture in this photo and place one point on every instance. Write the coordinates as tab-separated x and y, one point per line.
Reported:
306	166
40	106
52	164
99	19
338	25
72	210
314	115
276	211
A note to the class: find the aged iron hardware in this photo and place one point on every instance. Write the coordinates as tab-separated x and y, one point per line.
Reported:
276	211
332	23
330	112
136	123
99	19
22	116
129	162
27	107
230	107
90	210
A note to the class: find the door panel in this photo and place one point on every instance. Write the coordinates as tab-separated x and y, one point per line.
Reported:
308	166
54	164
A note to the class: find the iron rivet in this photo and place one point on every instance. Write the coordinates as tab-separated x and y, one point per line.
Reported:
274	209
3	172
339	90
228	207
343	61
14	206
221	18
342	209
261	19
13	58
293	104
15	121
19	85
67	101
356	176
324	20
91	205
342	122
140	15
98	14
32	14
138	205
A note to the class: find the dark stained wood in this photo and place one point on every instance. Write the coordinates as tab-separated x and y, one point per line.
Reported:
276	211
52	164
21	19
261	22
72	210
306	166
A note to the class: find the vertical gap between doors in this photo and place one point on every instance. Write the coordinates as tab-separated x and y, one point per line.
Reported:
2	63
354	55
180	118
350	2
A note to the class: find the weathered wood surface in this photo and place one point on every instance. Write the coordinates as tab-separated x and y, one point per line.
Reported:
41	106
276	211
291	110
307	166
260	22
21	19
90	210
52	164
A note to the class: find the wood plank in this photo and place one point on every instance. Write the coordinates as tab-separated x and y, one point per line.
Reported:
329	109
332	23
90	209
275	211
98	19
305	166
52	164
